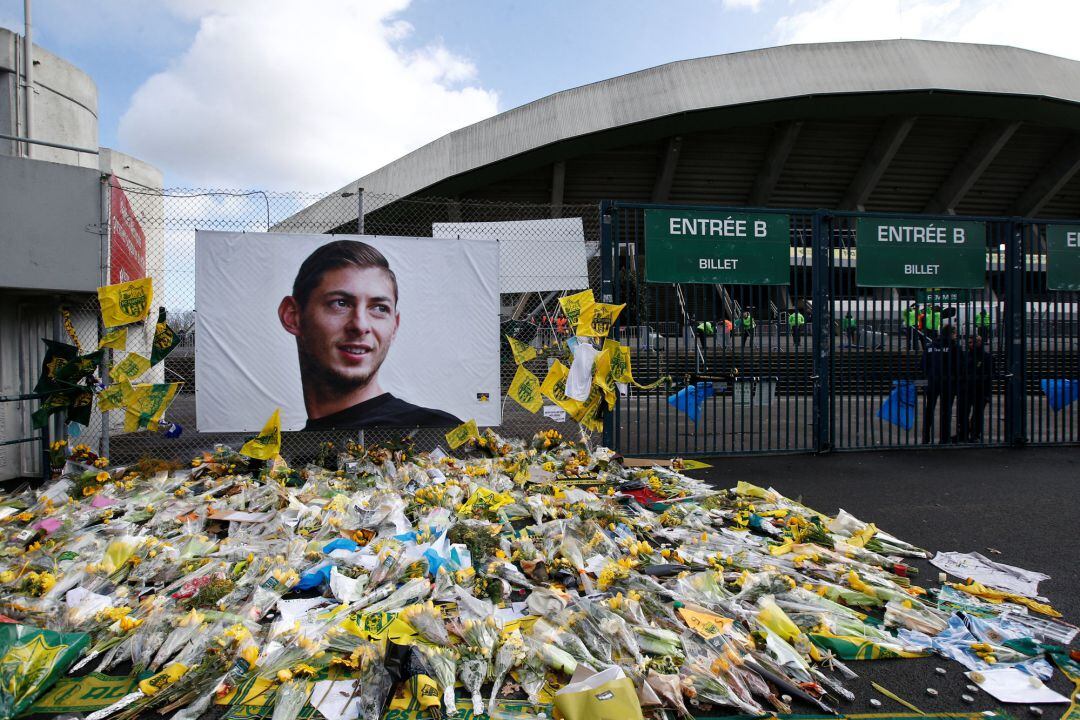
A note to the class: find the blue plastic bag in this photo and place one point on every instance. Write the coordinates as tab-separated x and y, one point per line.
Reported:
899	407
1060	393
690	399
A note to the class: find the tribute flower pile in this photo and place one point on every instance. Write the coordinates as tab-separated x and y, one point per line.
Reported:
520	573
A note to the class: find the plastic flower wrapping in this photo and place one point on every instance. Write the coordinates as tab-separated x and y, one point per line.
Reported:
510	576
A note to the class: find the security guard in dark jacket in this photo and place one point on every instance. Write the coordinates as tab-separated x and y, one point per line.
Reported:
975	388
941	364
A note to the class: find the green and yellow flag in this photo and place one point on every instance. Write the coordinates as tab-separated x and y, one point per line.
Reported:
597	319
146	404
602	375
525	389
522	353
130	368
268	442
165	339
114	396
853	647
77	402
115	340
126	303
30	662
554	387
57	355
461	434
574	305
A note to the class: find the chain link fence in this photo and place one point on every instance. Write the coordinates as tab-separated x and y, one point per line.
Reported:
170	218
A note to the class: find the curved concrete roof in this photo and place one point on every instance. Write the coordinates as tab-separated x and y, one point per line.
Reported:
725	81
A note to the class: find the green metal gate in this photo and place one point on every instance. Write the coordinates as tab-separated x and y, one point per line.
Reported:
823	354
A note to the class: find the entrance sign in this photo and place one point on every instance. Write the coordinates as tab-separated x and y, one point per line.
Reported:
1063	257
913	253
692	246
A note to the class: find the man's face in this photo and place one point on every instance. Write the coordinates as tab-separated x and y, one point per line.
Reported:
347	326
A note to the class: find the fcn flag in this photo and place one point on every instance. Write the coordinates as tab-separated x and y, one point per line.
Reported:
165	339
461	434
525	389
126	303
268	442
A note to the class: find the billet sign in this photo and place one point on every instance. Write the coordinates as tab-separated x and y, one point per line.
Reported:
1063	257
918	253
692	246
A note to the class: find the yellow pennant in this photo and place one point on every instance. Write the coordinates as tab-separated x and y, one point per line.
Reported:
706	624
116	340
525	389
602	375
522	353
145	404
114	396
620	362
574	305
554	387
597	319
268	442
130	368
461	434
592	413
125	303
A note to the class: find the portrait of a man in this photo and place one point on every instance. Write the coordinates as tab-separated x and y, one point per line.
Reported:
343	312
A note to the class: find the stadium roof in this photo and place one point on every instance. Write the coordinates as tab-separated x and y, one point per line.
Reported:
898	125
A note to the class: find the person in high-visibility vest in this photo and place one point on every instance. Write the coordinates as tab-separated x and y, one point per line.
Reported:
798	322
746	327
983	325
909	321
850	328
703	330
933	321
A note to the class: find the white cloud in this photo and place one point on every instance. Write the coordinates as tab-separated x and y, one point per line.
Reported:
1042	25
754	5
300	96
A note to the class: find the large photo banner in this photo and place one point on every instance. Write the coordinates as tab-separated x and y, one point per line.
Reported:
345	331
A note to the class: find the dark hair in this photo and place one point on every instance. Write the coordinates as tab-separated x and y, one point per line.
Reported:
334	255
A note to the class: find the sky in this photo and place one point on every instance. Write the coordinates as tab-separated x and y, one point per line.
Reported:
308	96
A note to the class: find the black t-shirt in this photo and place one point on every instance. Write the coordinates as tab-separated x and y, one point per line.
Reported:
383	411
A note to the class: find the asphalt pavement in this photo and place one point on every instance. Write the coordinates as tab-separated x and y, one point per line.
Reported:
1016	506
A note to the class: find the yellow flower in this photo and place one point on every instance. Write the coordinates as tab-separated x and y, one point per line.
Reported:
6	576
129	623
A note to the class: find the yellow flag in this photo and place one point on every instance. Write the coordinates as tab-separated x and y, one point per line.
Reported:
125	303
574	305
522	352
525	389
620	362
114	396
706	624
130	368
268	442
602	375
554	387
145	404
592	414
117	340
461	434
597	319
